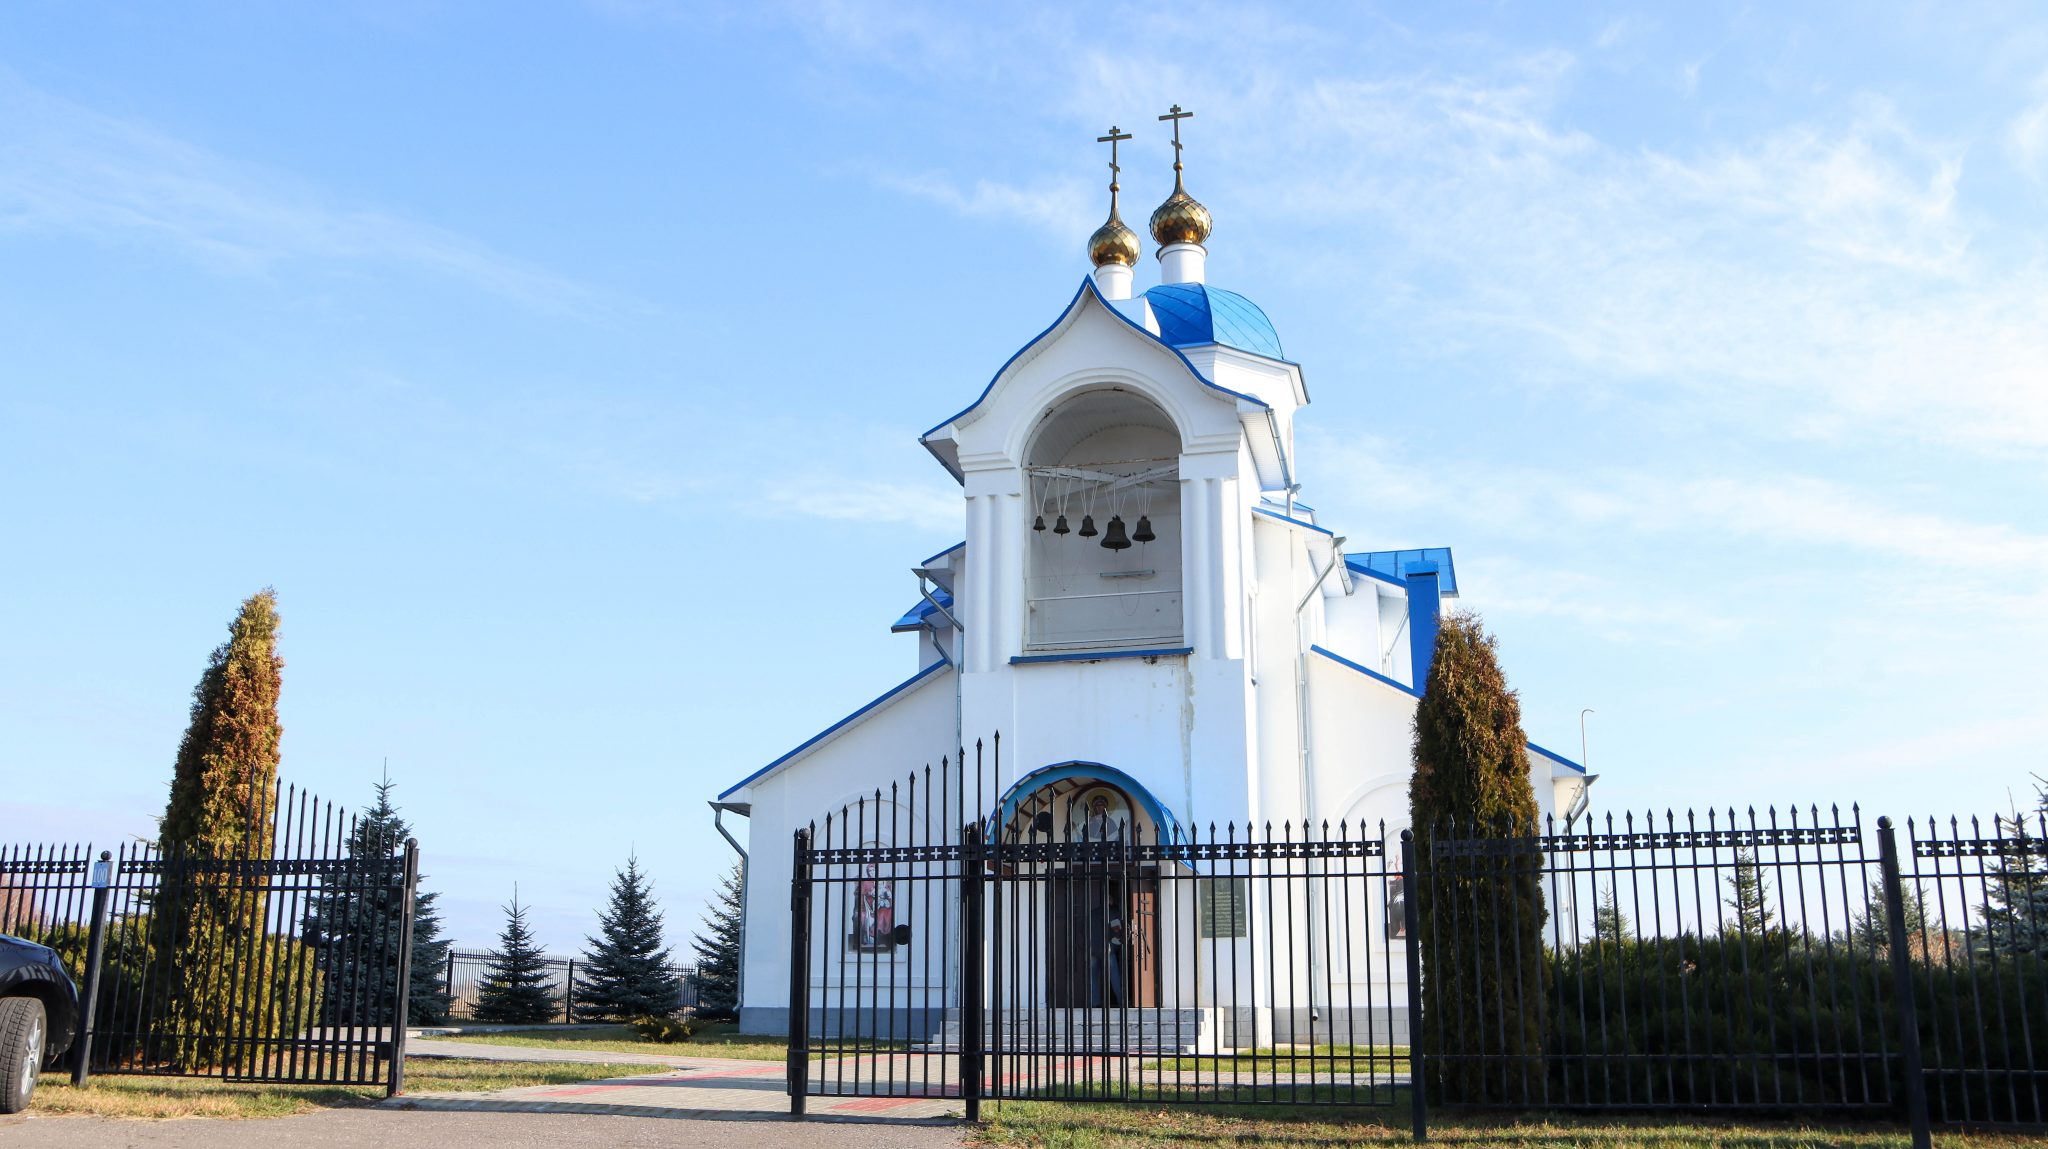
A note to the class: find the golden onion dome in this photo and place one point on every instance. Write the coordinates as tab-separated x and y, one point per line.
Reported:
1113	242
1181	219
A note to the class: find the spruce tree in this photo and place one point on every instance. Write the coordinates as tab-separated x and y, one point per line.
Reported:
353	926
718	952
2015	908
1609	923
626	970
429	1000
516	988
206	920
355	930
1749	895
1872	931
1483	969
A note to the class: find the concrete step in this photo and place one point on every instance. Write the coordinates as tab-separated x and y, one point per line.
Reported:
1086	1030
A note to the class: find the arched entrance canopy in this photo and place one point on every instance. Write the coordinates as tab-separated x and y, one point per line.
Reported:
1167	825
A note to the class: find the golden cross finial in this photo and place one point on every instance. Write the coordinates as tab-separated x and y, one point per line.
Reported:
1176	115
1115	135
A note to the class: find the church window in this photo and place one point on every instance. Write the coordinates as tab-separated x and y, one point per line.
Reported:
1104	554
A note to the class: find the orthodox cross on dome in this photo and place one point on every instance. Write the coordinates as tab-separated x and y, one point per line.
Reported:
1176	115
1115	135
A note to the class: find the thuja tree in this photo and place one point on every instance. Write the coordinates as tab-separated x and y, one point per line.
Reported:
356	929
718	951
208	942
516	988
1481	911
626	968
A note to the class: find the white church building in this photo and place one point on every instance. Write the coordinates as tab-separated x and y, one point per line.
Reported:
1143	605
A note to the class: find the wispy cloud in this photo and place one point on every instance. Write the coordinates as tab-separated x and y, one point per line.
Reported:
1603	606
1815	523
1825	272
2026	137
1055	207
926	506
67	168
1827	268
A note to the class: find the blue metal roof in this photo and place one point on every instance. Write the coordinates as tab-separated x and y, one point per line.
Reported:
1195	313
1392	566
915	617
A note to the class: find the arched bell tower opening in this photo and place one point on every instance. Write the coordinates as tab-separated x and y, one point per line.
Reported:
1104	559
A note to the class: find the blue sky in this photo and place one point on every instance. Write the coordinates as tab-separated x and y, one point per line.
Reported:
561	366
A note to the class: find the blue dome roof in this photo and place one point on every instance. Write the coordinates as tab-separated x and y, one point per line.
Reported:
1192	313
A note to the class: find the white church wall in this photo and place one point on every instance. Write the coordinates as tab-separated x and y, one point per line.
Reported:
1396	661
1351	623
1139	715
876	751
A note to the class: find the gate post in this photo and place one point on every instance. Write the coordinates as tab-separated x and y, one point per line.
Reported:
95	961
1902	979
1411	894
403	1007
971	956
798	1075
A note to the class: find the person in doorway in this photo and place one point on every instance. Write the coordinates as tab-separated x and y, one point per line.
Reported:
1105	949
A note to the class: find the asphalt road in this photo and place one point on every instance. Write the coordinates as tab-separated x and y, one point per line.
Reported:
381	1128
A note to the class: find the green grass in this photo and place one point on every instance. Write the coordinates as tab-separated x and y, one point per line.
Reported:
718	1039
166	1097
1080	1126
1321	1059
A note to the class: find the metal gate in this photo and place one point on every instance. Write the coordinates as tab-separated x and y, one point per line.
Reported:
1046	946
288	962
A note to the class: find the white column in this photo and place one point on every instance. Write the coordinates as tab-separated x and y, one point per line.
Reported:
1213	570
1194	566
1006	576
975	611
1230	609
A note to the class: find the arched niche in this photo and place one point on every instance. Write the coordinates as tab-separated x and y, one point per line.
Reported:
1107	461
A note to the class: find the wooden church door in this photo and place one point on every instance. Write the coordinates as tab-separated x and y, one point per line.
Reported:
1102	940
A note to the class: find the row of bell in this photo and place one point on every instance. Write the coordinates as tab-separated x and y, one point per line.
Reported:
1114	538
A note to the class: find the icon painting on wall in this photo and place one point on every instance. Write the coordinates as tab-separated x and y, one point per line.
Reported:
1099	814
874	912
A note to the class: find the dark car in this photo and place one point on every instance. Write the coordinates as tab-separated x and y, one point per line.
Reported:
38	1016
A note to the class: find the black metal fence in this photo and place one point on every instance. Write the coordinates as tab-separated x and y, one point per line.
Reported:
1069	945
1788	963
465	970
1063	943
286	961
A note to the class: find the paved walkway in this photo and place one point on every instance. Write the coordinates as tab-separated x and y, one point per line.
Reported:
382	1126
429	1047
705	1088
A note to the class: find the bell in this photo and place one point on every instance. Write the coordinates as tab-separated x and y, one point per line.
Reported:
1038	524
1060	527
1115	539
1144	532
1088	530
